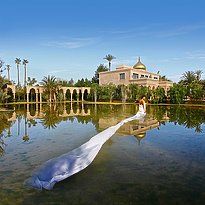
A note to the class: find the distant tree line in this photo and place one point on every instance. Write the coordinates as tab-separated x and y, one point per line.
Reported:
190	88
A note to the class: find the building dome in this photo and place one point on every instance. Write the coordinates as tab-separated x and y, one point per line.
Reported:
139	65
140	135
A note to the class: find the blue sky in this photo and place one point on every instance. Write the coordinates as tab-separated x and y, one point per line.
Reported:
70	38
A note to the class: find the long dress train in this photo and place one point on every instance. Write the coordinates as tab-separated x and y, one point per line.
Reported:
64	166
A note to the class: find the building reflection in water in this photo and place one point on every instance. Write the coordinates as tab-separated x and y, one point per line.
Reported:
137	128
41	112
101	116
28	115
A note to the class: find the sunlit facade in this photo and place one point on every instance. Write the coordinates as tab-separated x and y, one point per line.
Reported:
125	75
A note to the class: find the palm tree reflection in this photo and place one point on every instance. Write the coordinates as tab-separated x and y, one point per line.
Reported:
25	137
4	126
51	118
101	117
189	117
2	144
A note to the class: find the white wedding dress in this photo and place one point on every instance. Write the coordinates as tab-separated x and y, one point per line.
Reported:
141	108
64	166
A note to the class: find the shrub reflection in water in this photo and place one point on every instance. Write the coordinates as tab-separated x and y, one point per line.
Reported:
158	160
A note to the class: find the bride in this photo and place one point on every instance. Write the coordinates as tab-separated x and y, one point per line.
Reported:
142	104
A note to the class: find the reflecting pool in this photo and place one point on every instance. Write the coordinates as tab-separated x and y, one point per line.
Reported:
158	160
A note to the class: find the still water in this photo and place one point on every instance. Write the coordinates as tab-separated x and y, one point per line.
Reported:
158	160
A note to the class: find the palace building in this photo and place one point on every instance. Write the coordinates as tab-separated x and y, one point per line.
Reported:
125	75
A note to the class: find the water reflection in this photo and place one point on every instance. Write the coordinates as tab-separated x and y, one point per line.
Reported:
4	126
51	116
101	116
66	165
2	144
189	117
174	160
155	117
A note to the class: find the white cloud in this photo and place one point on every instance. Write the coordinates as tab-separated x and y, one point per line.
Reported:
196	55
175	78
72	43
178	31
117	31
160	30
57	71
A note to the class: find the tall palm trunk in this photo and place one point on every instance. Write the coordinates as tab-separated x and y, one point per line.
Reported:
50	97
95	96
8	69
9	75
54	97
25	63
18	75
18	61
25	84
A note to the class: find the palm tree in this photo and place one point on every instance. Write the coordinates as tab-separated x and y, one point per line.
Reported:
109	58
50	84
1	65
18	62
31	82
198	74
124	92
188	77
8	69
24	63
163	78
95	90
